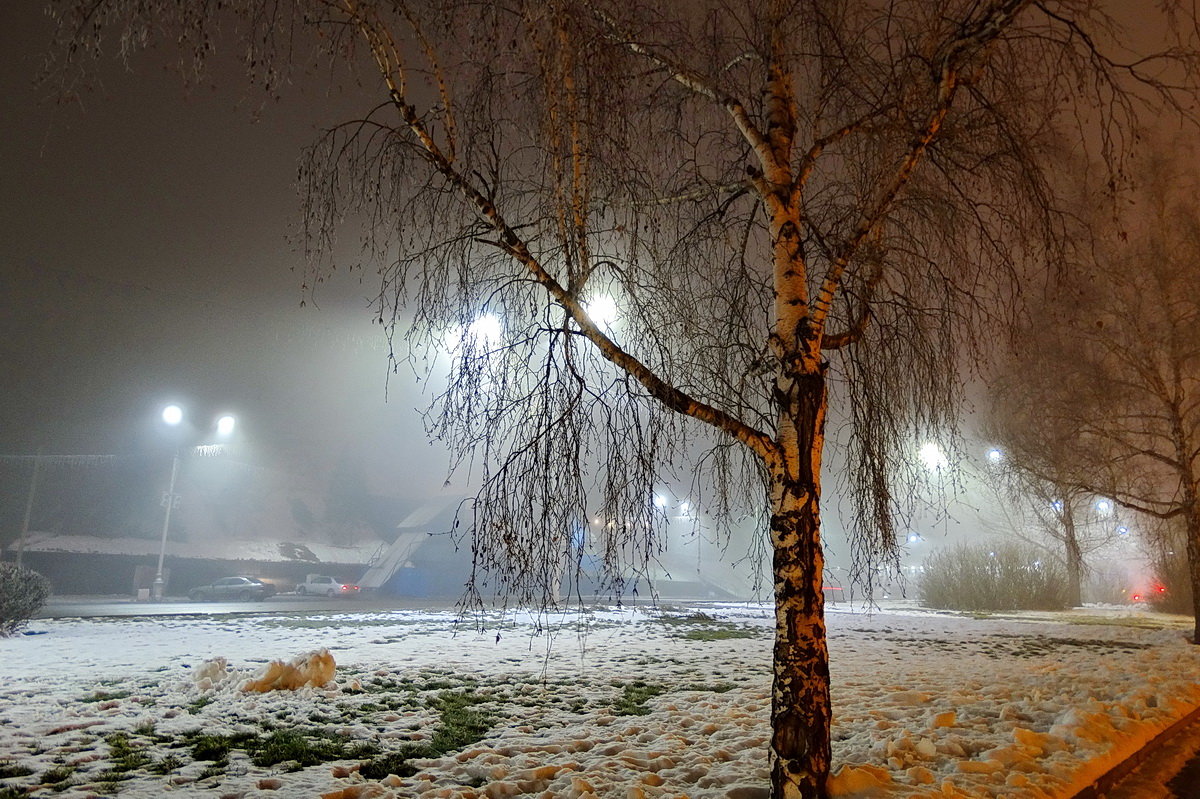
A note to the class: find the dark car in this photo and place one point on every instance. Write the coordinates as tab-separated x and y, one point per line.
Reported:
244	588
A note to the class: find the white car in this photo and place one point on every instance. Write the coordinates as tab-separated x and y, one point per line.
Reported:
323	585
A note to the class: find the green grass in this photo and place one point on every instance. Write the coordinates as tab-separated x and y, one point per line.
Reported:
104	696
7	792
719	634
301	748
165	765
462	723
123	755
216	747
714	688
10	769
56	775
198	704
634	697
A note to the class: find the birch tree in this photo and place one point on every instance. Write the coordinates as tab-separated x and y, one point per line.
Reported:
783	201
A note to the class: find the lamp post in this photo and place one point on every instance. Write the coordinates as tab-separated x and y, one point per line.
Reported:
173	416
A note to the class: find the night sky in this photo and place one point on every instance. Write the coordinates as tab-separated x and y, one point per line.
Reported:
146	257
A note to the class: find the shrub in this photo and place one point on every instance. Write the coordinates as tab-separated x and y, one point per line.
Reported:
993	577
22	593
1172	589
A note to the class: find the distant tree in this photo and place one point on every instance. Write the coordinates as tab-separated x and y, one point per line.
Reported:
662	228
1112	399
1040	473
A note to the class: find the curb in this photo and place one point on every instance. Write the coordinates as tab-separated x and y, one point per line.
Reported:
1106	781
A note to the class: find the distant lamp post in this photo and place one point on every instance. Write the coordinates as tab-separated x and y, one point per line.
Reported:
173	416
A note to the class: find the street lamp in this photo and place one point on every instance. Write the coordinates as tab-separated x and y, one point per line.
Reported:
173	416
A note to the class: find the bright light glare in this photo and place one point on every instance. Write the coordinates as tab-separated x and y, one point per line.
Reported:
486	329
994	455
225	425
1104	507
685	508
172	414
660	501
913	538
933	457
602	309
1122	531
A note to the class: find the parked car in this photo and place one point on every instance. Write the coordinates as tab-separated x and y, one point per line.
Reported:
243	588
324	585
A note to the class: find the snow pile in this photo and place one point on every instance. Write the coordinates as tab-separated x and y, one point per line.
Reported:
311	670
625	704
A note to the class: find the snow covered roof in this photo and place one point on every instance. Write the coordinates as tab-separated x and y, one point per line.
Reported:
213	549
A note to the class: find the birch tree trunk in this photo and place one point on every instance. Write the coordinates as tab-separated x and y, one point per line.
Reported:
800	704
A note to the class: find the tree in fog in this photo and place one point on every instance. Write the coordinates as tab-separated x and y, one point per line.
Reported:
1105	399
1041	474
655	229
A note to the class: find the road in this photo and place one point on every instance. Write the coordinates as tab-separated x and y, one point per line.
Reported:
65	607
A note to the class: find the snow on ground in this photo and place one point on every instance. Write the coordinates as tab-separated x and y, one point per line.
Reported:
623	704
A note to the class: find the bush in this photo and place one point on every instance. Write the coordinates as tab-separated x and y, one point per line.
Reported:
1172	589
993	577
22	593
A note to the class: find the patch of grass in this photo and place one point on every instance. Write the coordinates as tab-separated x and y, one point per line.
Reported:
56	775
104	696
216	747
217	769
634	697
462	724
10	769
715	688
198	704
123	755
109	788
693	618
165	765
723	634
145	728
7	792
394	763
300	749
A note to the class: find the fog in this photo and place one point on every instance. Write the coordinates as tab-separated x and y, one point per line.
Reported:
146	257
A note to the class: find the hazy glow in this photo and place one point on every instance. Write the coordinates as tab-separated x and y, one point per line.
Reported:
225	425
172	414
660	501
1122	531
994	455
486	328
1104	507
1057	505
932	456
913	538
603	310
685	508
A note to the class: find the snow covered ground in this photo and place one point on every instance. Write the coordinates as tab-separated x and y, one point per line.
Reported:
621	704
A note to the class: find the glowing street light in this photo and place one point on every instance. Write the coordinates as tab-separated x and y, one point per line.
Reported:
932	456
173	416
602	309
994	456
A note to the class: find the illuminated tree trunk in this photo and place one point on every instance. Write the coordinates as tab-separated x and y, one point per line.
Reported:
800	705
1074	557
